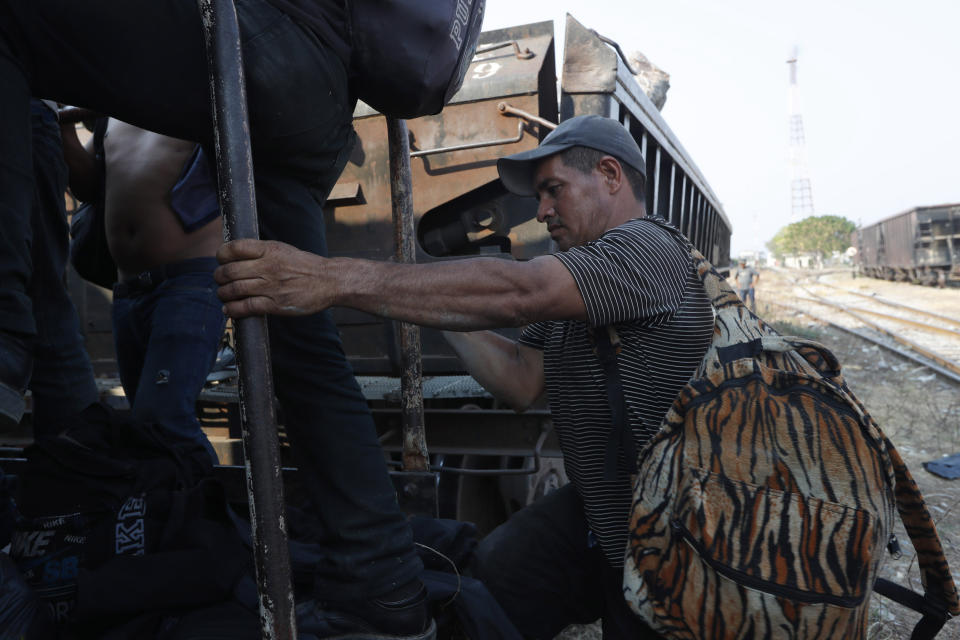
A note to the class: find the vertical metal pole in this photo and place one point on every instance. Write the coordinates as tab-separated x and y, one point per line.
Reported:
415	457
257	417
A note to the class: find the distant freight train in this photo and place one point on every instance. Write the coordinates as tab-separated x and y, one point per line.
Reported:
921	245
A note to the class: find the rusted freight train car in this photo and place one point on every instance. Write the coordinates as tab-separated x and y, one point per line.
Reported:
921	245
507	104
488	460
493	460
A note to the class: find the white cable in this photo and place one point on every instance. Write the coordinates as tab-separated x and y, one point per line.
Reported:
452	564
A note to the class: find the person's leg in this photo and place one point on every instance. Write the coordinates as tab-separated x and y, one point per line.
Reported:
540	567
143	61
62	382
140	60
333	436
183	326
327	419
16	200
223	621
130	337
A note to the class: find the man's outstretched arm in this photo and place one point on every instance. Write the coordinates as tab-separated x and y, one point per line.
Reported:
262	277
510	371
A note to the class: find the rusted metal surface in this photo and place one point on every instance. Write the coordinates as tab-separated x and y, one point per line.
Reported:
534	458
459	207
418	492
415	456
507	108
616	48
524	54
472	145
365	229
238	204
499	71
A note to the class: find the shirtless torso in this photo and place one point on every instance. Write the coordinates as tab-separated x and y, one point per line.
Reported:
167	321
143	232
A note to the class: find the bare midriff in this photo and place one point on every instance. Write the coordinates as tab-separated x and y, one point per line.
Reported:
143	231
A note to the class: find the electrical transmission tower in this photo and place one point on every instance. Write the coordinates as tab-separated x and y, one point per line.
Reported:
801	194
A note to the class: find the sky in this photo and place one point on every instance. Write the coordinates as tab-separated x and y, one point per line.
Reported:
879	85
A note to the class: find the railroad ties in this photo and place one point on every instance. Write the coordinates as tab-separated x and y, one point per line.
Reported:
927	337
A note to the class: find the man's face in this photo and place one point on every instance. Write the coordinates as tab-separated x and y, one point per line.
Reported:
569	202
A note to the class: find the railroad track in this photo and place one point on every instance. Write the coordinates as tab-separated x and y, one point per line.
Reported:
932	339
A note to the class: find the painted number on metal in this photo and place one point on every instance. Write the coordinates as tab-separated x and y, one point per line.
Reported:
485	70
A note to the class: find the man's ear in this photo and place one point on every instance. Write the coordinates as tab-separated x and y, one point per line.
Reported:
612	173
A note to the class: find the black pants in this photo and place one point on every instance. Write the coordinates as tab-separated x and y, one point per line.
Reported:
543	572
143	61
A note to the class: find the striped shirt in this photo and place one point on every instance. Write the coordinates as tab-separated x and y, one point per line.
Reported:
640	278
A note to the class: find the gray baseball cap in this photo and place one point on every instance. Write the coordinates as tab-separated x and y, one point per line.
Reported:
603	134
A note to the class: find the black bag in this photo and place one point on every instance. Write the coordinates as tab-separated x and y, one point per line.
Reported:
115	523
22	615
89	252
409	56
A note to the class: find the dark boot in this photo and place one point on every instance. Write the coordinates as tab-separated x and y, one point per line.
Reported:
402	613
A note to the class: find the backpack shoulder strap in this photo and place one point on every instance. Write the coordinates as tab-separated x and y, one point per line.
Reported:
607	346
940	598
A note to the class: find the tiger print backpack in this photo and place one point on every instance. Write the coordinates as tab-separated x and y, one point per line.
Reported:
762	507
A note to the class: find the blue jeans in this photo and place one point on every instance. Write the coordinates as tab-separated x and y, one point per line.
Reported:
62	378
143	61
166	330
749	297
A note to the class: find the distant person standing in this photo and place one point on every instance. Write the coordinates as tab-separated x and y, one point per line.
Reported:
747	278
163	229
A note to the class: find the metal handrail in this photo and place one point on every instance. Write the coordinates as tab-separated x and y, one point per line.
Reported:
415	456
257	417
525	471
472	145
525	54
505	108
616	46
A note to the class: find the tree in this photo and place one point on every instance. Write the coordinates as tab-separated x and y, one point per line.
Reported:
820	235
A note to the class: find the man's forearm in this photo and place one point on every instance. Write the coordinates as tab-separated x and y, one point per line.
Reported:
511	372
457	295
262	277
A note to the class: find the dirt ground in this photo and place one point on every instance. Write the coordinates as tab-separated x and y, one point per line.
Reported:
917	409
